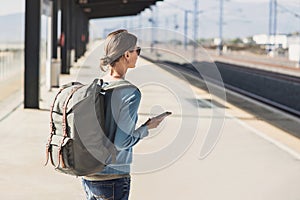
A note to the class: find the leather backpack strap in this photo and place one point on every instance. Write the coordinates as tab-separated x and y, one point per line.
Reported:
52	131
64	125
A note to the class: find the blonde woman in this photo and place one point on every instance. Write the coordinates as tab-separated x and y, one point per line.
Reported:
121	106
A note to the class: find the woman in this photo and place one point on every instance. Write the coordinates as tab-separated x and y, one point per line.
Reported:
121	104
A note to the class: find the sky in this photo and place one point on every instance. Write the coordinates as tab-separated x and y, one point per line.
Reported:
242	18
12	6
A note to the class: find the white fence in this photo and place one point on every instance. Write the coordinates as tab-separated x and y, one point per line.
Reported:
11	62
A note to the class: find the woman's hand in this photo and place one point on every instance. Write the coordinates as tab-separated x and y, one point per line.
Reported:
155	121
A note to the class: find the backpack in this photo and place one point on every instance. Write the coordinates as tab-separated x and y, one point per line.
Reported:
78	144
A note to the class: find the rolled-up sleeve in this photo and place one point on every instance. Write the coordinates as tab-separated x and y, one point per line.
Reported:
127	135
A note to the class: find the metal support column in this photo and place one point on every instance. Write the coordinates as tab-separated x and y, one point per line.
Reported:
77	32
54	29
82	36
85	37
81	30
73	14
65	37
32	53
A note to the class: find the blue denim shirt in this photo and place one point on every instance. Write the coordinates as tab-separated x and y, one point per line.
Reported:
121	107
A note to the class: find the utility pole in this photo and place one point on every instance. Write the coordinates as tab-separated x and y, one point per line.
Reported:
275	22
272	24
140	25
185	28
152	20
175	29
220	45
186	18
196	22
125	23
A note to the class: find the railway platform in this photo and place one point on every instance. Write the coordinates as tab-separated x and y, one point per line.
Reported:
207	149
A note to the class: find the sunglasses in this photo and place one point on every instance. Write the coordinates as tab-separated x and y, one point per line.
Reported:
138	50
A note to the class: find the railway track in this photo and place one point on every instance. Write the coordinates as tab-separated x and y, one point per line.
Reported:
274	89
277	90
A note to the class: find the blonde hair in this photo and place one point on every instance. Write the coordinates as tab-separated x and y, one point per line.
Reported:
115	45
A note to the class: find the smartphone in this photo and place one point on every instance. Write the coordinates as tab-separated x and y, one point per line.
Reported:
162	115
165	114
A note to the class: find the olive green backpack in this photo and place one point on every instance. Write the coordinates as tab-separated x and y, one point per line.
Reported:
78	144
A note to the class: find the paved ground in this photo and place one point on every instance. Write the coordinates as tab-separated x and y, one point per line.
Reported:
251	160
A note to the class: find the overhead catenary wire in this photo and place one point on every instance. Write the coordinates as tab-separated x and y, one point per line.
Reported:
289	11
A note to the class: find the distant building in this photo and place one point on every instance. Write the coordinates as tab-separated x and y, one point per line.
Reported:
294	48
216	41
273	40
286	41
294	52
247	40
293	40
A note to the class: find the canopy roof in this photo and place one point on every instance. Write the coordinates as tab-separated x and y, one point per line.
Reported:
113	8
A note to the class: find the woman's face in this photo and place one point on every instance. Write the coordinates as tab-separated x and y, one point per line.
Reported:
133	56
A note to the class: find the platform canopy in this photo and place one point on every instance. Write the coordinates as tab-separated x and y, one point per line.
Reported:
113	8
74	34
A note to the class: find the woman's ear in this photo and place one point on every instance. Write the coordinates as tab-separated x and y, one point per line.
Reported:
126	54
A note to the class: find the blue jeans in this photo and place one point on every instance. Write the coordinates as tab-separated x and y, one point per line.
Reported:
116	189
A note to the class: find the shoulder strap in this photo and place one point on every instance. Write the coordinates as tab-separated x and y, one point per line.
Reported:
70	84
115	84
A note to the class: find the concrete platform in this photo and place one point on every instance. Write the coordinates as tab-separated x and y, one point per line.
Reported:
251	159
